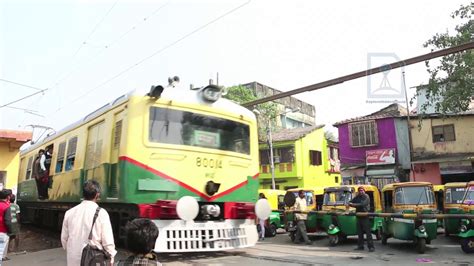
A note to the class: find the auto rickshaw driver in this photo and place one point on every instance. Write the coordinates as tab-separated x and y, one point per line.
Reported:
362	204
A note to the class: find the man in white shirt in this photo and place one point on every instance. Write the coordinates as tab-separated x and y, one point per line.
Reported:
77	226
300	205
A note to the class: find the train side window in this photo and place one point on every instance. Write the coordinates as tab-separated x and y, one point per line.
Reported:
71	154
29	168
60	160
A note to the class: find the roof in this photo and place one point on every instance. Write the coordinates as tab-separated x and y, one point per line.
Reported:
393	110
455	184
294	133
406	184
431	157
16	135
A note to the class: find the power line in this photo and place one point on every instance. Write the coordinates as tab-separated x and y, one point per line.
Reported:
159	51
112	43
20	84
28	96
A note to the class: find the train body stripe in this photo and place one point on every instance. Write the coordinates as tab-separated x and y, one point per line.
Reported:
182	184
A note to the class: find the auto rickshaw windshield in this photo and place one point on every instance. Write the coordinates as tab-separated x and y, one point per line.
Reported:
337	198
308	196
454	195
469	196
414	195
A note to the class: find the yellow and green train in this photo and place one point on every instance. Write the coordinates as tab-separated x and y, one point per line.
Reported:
148	152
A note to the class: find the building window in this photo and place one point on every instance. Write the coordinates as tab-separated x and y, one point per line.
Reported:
363	134
443	133
264	157
285	155
315	157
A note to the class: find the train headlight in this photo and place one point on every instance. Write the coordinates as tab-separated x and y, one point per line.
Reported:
187	208
211	210
463	228
212	93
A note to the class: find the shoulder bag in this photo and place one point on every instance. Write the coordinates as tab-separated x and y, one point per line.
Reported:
91	255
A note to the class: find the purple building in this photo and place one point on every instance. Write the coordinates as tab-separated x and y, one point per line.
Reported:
375	148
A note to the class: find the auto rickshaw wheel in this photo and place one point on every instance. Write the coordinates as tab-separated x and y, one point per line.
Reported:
467	245
384	238
333	240
428	241
421	245
272	231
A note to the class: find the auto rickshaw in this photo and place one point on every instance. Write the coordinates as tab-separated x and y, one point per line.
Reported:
453	195
276	218
314	200
340	227
466	230
409	198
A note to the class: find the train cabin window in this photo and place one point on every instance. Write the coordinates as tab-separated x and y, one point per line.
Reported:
71	154
60	160
29	168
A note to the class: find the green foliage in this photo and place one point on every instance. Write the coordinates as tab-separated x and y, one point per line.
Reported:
451	83
268	111
330	136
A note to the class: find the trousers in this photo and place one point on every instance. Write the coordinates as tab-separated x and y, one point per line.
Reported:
301	231
363	226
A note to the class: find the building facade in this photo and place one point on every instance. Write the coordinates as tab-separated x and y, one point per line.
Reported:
304	117
10	143
375	148
443	148
302	158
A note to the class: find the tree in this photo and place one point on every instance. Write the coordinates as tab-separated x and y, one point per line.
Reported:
267	111
451	84
329	135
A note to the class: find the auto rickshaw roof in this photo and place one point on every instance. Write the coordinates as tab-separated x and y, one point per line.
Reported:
406	184
470	184
351	188
316	190
455	184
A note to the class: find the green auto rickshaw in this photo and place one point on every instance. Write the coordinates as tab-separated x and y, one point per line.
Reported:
339	227
276	218
314	201
466	230
405	201
453	196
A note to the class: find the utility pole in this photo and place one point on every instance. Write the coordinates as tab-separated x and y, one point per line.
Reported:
410	142
270	145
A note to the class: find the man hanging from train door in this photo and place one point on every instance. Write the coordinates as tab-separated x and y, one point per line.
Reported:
38	172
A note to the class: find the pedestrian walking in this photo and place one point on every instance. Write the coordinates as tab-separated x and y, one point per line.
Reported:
362	204
77	226
261	222
5	223
300	205
15	224
141	239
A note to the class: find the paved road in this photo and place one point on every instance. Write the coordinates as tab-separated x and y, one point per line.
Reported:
280	251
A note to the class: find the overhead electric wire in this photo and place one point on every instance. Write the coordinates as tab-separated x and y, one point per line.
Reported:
107	46
20	84
27	96
159	51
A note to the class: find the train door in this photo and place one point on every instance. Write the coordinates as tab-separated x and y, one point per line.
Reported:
93	167
113	181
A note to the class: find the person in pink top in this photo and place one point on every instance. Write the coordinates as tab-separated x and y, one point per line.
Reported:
5	222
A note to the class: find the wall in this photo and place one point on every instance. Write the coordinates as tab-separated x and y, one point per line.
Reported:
423	139
350	155
426	172
9	162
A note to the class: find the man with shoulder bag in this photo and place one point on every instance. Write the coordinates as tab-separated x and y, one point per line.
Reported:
87	232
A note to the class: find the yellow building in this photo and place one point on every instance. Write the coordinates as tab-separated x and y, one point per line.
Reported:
302	157
443	148
10	143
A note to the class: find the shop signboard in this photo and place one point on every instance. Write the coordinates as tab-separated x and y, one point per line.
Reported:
380	157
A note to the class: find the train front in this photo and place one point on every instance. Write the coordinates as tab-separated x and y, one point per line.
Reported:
191	165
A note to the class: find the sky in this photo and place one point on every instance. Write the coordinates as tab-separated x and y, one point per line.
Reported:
87	53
